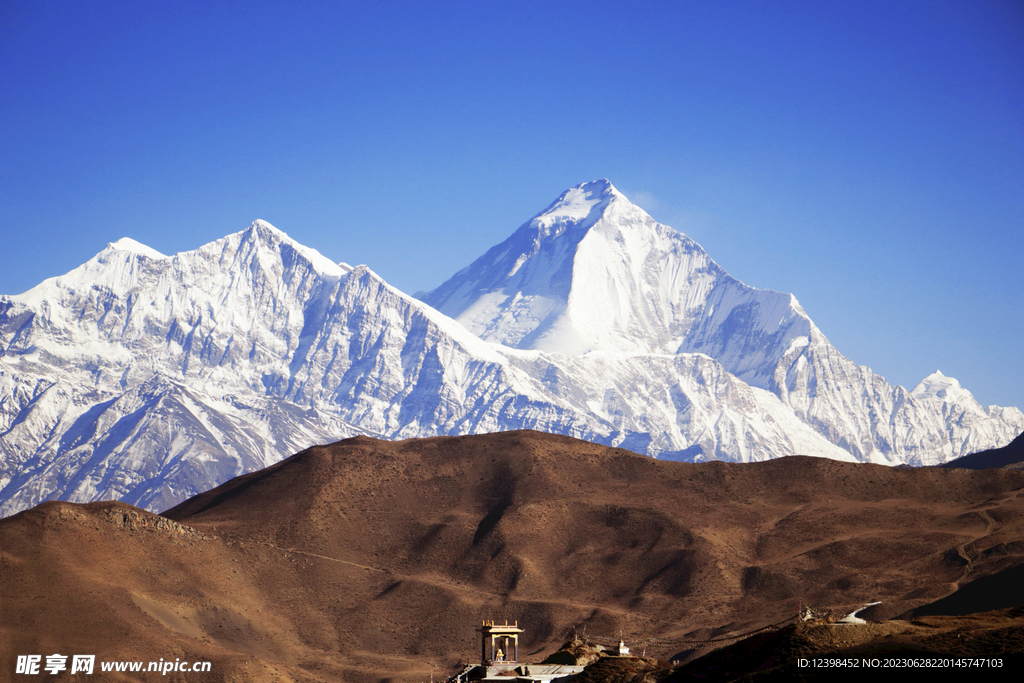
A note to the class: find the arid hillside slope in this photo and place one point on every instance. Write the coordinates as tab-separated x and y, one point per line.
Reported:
366	559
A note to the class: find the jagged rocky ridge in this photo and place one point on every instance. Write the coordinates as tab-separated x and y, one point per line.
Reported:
149	378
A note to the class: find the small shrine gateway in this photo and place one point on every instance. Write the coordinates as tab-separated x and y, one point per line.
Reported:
504	642
499	660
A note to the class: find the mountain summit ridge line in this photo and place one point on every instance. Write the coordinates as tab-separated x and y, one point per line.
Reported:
149	378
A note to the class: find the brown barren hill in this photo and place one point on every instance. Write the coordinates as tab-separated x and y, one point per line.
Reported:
368	560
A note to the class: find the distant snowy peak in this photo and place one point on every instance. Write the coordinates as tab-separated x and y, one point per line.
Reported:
595	272
129	245
579	206
937	386
263	232
127	265
115	268
596	205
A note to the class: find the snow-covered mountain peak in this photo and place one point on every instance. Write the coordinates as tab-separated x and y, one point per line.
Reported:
938	386
596	205
260	232
260	223
595	272
582	205
115	267
131	246
934	383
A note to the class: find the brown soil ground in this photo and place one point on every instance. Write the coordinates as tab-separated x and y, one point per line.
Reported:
368	560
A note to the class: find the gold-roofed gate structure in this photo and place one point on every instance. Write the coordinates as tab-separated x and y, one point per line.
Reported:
504	641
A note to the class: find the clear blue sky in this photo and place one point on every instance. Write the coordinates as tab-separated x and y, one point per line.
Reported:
866	156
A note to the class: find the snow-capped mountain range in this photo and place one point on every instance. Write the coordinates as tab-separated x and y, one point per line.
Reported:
149	378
